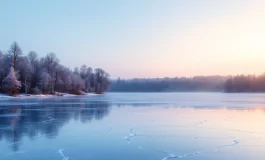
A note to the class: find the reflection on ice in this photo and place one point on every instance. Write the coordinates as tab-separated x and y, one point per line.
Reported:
34	122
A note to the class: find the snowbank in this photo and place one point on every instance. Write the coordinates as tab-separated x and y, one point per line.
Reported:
44	95
4	96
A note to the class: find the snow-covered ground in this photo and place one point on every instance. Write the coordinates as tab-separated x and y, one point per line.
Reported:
4	96
43	95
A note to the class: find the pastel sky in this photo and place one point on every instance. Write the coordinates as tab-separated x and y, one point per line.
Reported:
142	38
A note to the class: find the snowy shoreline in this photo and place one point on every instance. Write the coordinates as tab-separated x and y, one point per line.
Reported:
2	95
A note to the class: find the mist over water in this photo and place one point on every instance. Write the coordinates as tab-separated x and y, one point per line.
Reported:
201	126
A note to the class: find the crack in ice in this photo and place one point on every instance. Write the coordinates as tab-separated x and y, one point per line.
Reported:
230	145
60	151
129	138
170	156
200	123
49	120
173	156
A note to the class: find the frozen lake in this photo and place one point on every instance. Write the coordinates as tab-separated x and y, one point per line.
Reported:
134	126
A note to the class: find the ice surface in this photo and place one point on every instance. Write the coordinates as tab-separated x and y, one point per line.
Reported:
192	126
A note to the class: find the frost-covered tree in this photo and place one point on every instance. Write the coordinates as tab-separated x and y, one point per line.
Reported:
25	71
51	61
86	74
14	53
4	69
1	69
12	83
59	76
32	57
67	85
45	82
36	70
77	84
76	71
102	80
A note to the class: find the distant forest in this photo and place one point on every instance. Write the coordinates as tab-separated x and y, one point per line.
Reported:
182	84
32	74
240	83
249	83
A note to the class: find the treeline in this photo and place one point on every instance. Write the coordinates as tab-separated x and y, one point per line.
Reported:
242	83
181	84
239	83
31	74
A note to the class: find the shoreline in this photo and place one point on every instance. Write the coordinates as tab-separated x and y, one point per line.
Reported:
23	95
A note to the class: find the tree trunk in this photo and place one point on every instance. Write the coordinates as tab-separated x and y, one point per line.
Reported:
14	63
26	87
56	79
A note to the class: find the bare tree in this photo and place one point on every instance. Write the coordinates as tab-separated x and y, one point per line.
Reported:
25	71
102	82
14	52
45	82
32	56
77	84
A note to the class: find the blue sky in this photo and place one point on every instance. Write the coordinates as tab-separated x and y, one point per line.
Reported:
141	38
